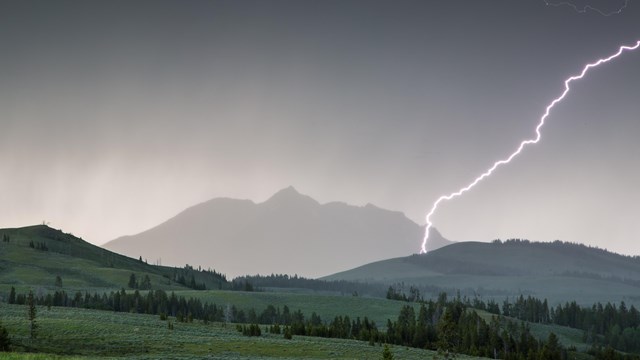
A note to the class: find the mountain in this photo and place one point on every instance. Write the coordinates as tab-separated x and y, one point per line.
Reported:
558	271
436	241
289	233
37	255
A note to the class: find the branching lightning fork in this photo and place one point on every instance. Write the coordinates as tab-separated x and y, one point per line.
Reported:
524	143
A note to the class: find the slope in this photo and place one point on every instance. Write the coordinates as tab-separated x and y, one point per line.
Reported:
289	233
34	256
558	271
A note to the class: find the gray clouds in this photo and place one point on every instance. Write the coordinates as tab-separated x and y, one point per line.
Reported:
116	115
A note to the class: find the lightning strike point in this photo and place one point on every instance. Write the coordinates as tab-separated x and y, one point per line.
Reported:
524	143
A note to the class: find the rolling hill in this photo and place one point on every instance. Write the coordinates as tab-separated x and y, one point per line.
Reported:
289	233
557	271
32	257
84	267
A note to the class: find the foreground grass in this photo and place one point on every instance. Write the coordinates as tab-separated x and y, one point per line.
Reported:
66	333
25	356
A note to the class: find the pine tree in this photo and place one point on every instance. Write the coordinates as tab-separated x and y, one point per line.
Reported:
12	296
146	283
446	333
133	284
386	353
32	312
5	342
287	333
552	349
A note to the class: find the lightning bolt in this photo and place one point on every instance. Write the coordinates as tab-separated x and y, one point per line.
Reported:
588	7
524	143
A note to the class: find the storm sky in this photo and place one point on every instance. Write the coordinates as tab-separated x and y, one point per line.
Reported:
117	115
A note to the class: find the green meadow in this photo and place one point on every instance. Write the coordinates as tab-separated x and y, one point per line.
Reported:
82	334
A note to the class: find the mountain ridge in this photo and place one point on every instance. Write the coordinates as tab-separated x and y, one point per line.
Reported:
288	233
555	270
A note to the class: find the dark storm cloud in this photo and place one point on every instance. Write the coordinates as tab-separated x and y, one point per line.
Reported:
116	114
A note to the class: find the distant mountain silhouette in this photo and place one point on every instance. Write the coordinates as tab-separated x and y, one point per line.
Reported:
436	241
558	271
289	233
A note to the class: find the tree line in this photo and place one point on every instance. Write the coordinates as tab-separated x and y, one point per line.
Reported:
450	326
604	325
285	281
446	325
607	324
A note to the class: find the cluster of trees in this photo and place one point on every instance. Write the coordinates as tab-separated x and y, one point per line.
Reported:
145	284
451	327
600	317
610	325
337	286
296	323
40	245
191	283
158	302
528	309
617	326
490	306
560	243
341	327
242	285
397	292
186	276
153	302
251	330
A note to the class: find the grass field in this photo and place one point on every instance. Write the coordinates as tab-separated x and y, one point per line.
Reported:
325	306
78	334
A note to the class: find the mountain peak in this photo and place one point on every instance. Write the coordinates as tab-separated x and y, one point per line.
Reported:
290	195
289	191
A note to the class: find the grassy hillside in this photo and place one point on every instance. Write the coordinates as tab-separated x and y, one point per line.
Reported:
83	334
85	267
557	271
31	258
528	258
81	265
